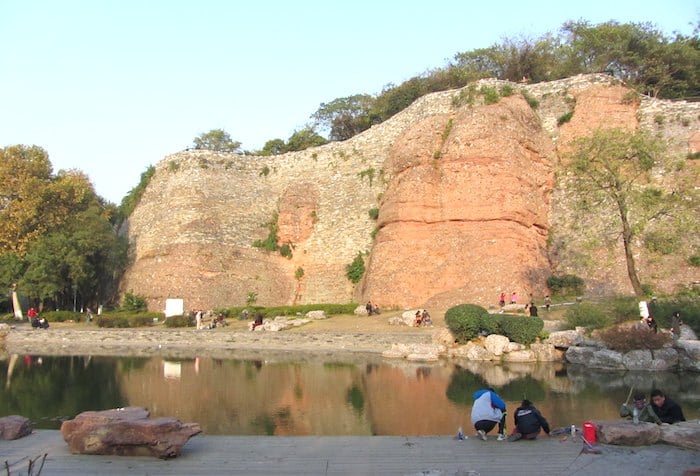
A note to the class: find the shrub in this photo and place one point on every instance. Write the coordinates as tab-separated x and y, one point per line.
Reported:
521	329
133	303
491	323
490	94
61	316
624	308
373	213
271	242
624	339
103	321
662	242
123	319
586	315
564	118
265	171
356	269
506	90
688	307
179	321
299	273
694	260
286	250
565	285
531	100
465	321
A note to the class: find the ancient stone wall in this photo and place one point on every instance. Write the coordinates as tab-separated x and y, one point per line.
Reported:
481	194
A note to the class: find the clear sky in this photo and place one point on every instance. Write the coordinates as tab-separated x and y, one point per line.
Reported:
112	86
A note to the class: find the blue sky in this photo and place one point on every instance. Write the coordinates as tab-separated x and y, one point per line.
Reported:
110	87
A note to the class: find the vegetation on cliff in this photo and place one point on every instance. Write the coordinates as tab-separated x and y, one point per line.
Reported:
612	170
647	60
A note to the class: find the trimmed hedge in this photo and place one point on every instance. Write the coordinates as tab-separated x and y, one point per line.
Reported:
122	320
464	320
467	321
330	309
521	329
62	316
180	321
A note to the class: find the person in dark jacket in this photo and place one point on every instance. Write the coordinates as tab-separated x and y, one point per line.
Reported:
528	422
666	409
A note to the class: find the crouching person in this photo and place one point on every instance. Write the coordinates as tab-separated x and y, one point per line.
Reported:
488	411
528	422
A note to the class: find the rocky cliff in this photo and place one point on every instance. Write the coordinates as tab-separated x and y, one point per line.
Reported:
468	202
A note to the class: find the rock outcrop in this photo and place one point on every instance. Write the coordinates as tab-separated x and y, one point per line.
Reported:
684	434
126	432
449	170
467	198
13	427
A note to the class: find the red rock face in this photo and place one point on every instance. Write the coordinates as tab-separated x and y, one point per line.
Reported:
466	214
297	209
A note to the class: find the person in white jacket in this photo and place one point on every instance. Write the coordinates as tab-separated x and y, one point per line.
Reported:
488	410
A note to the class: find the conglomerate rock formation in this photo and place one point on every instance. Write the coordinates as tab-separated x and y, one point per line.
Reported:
468	199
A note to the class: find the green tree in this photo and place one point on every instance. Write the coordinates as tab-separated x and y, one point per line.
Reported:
274	147
133	196
25	172
345	117
218	140
303	139
610	173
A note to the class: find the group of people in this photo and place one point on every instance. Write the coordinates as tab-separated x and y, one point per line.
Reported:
422	318
661	409
216	320
489	411
530	307
372	309
36	321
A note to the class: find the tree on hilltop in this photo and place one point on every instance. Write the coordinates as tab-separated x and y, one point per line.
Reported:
345	117
611	176
217	140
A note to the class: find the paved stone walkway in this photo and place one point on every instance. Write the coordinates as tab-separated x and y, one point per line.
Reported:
425	456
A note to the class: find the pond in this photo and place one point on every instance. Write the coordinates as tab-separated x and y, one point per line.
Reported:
318	396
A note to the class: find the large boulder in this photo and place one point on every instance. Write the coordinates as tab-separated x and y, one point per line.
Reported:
496	344
637	360
664	359
685	434
689	354
415	352
606	359
526	355
14	427
127	432
316	315
444	337
546	352
564	339
361	310
687	334
579	355
471	351
624	432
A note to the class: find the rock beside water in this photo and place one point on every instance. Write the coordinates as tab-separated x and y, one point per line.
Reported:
127	432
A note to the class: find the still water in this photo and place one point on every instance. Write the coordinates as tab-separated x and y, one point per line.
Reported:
317	396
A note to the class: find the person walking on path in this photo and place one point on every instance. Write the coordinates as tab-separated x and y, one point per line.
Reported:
528	422
488	410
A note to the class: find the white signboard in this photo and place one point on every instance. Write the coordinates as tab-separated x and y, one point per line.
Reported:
174	307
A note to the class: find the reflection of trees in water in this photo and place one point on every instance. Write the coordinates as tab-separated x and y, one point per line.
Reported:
59	387
462	386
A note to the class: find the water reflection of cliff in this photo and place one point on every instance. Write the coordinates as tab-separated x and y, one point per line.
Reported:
317	398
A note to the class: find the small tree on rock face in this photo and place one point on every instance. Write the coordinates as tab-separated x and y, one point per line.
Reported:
611	176
218	140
